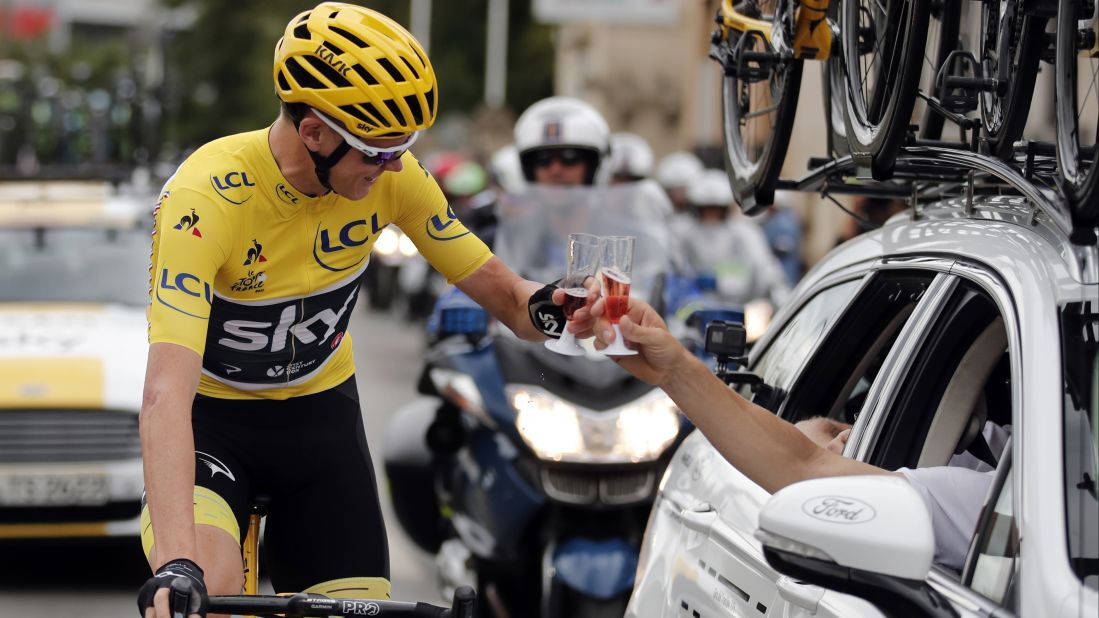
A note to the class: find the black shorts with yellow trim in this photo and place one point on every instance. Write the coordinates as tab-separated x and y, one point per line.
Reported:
308	458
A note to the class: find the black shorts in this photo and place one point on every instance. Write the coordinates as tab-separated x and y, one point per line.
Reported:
308	456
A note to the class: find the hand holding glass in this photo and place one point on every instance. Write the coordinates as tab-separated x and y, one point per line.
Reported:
583	256
616	261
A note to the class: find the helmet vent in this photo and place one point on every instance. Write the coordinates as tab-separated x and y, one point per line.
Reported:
392	70
359	113
303	77
367	76
395	110
430	97
414	105
411	68
332	48
283	84
302	32
350	37
333	76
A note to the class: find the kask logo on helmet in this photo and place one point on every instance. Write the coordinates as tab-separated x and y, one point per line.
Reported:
331	60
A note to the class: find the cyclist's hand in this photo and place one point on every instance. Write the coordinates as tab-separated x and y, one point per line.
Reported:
176	590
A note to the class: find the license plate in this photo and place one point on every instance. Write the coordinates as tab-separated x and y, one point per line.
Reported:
53	490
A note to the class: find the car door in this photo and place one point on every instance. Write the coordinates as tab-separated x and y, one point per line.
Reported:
821	361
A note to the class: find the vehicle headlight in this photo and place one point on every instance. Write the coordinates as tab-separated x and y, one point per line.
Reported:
406	246
561	431
388	242
460	389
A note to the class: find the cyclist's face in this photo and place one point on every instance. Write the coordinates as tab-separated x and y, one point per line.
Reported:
355	174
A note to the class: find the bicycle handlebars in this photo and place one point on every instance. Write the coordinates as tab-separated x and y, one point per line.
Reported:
302	604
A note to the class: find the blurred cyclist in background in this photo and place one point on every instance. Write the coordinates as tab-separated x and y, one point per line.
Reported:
631	158
731	247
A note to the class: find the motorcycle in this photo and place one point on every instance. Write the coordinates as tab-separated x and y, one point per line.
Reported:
392	254
530	474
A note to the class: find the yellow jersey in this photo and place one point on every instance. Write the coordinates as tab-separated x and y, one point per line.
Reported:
260	279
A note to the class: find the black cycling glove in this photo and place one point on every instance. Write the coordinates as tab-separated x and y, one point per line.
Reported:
546	316
194	599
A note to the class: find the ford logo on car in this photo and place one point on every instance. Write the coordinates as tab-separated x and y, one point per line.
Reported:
839	510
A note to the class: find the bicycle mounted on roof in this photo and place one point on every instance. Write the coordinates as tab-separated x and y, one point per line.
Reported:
887	61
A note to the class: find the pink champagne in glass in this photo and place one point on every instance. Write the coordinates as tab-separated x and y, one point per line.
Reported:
616	291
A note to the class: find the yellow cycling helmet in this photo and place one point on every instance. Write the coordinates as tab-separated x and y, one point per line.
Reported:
359	67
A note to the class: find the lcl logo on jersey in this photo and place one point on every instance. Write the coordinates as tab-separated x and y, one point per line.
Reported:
445	230
255	254
233	187
185	284
188	222
351	234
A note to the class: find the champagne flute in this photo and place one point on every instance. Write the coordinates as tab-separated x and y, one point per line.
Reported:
583	257
616	261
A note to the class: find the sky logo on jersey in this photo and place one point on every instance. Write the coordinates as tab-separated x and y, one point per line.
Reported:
184	284
445	230
352	234
188	222
255	254
233	187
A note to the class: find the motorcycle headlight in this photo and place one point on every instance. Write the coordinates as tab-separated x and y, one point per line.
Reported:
406	246
757	317
388	242
558	430
460	389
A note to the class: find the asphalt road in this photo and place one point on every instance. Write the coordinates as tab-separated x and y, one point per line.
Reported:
100	580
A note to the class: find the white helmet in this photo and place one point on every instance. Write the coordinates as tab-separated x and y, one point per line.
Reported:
505	170
710	189
678	169
631	156
562	122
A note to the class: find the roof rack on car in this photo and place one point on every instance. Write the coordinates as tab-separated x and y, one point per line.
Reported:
934	172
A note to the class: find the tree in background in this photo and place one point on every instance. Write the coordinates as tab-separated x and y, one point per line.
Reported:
219	76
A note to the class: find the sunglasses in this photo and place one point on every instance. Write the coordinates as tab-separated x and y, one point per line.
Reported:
372	155
566	156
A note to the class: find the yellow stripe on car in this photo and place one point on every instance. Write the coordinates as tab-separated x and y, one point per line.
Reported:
51	382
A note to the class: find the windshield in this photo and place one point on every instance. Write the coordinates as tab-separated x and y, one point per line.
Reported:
533	229
92	265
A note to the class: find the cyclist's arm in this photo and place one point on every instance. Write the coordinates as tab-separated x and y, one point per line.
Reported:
171	378
505	295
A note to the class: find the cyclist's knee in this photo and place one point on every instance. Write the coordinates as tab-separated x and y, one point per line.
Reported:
353	588
219	556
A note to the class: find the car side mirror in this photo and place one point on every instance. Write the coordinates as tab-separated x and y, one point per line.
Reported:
869	536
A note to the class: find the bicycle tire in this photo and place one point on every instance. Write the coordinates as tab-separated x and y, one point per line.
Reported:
876	125
946	21
753	162
1020	38
834	85
1079	176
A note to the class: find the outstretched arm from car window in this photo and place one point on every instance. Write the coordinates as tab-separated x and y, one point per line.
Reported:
767	449
168	449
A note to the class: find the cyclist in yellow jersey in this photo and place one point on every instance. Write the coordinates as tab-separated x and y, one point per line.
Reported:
259	244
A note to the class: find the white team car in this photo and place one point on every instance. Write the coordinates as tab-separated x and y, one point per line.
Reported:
918	334
73	291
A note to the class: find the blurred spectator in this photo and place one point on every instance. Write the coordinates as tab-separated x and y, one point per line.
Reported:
505	172
873	212
631	158
675	173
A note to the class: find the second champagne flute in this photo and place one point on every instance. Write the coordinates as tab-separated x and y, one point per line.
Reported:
616	262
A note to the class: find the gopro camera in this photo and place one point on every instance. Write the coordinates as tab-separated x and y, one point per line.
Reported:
726	340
